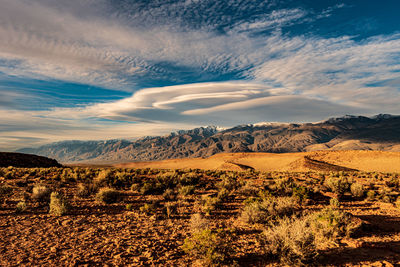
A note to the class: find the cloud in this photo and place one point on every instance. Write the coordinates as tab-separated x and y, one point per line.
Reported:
223	104
265	72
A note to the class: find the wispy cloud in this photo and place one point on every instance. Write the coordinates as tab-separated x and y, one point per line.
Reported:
225	63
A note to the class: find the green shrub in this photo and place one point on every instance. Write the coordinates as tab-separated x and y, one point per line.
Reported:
269	209
334	203
129	207
371	195
105	177
186	190
292	241
204	245
301	193
41	193
357	190
223	194
329	225
108	195
338	185
151	187
58	205
210	204
149	208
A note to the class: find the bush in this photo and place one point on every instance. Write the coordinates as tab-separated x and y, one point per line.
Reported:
204	245
292	241
169	194
357	190
21	206
334	203
108	195
85	190
329	225
371	195
301	193
210	204
151	187
269	209
149	208
186	190
41	193
337	185
105	177
58	205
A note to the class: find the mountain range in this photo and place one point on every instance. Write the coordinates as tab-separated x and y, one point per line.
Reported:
380	132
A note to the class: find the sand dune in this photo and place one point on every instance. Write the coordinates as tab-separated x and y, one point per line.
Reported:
305	161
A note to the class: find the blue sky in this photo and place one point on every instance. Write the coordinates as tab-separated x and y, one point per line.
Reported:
103	69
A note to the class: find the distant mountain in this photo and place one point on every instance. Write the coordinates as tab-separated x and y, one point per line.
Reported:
380	132
26	161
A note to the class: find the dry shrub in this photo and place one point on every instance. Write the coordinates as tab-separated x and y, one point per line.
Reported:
58	204
86	190
329	225
21	206
108	195
169	194
296	241
204	244
291	240
337	185
357	190
41	193
268	209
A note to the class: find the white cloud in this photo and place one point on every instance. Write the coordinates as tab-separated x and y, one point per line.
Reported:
286	78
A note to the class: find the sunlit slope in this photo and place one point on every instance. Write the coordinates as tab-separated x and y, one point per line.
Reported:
305	161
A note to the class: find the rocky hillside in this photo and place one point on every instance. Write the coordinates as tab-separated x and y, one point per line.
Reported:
381	132
26	161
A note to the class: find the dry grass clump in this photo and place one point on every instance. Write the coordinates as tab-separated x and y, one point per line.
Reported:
357	190
86	190
268	209
58	204
108	195
338	185
203	244
21	206
292	241
41	193
329	225
296	241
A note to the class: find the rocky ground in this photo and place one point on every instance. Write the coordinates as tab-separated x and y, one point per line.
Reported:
92	233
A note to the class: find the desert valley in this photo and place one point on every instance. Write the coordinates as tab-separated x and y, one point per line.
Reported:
325	207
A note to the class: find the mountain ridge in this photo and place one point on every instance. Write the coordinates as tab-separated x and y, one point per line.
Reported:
380	132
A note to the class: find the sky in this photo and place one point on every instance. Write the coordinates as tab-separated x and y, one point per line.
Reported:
110	69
